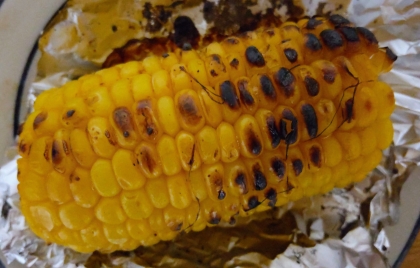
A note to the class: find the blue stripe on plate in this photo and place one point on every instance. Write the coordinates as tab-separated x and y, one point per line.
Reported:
408	244
21	87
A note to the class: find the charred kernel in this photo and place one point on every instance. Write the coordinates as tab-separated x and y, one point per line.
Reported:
221	195
185	31
244	95
312	23
348	110
332	39
70	113
232	221
260	182
234	63
188	109
123	120
240	180
55	153
390	54
165	55
253	202
297	166
310	119
271	194
254	56
227	92
329	74
292	135
312	42
338	20
291	54
267	87
253	143
315	155
278	167
350	34
41	117
273	131
215	218
286	80
144	109
232	41
312	86
368	35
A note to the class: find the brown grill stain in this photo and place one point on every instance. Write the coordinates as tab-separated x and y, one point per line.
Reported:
315	156
123	119
188	109
41	117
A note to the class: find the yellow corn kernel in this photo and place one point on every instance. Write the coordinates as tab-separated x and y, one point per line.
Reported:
385	97
168	155
126	170
147	121
368	140
217	69
213	176
350	143
212	113
366	107
162	84
93	235
269	128
57	185
99	101
188	154
196	68
237	178
207	145
167	115
103	178
81	148
108	76
156	221
45	123
189	111
136	204
174	218
116	233
157	190
141	87
130	69
46	215
148	160
180	78
249	136
74	216
82	188
384	132
152	64
121	93
62	159
197	184
109	210
267	92
168	60
101	137
332	151
237	64
75	113
179	192
356	164
326	117
33	187
89	83
314	155
188	55
229	146
139	229
40	155
371	161
329	78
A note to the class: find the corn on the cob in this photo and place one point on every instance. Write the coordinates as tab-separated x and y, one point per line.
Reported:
139	152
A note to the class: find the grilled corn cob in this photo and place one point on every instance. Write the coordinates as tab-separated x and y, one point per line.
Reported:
139	152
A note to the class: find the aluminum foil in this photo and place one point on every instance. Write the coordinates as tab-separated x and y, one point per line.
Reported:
343	228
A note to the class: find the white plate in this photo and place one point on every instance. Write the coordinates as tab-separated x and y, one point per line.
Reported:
21	22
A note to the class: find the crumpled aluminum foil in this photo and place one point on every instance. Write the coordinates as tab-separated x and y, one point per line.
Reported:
343	228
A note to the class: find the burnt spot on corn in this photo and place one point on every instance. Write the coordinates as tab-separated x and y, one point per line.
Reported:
367	35
232	221
312	86
291	54
221	195
310	119
315	156
240	181
338	20
176	227
123	119
214	217
109	137
273	131
312	42
312	23
253	203
254	145
350	34
70	113
47	152
213	73
329	74
297	166
292	135
147	161
23	146
286	81
185	32
144	108
267	87
270	32
271	194
278	167
332	39
348	108
390	54
227	92
232	40
234	63
56	156
260	182
165	55
66	147
254	56
41	117
188	109
244	95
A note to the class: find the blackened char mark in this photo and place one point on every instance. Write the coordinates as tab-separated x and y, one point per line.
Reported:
312	42
332	39
253	143
253	203
188	109
123	119
227	92
185	32
292	135
312	86
368	35
286	81
338	20
240	180
310	119
291	55
349	33
254	56
312	23
56	156
244	95
267	87
260	182
214	217
221	195
273	131
297	166
41	117
278	167
315	156
390	54
234	63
